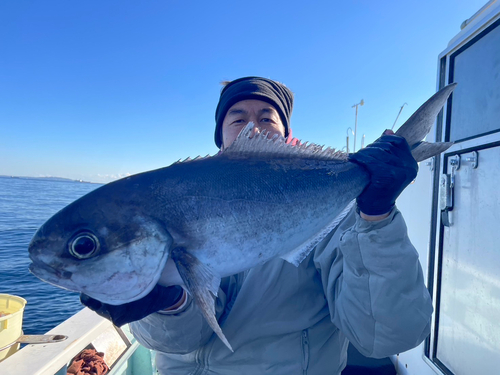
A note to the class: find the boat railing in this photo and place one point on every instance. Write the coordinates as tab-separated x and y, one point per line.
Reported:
85	330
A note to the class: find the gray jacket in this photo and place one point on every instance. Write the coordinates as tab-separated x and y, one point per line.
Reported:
363	283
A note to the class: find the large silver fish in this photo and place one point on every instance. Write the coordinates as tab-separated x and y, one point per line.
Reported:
212	217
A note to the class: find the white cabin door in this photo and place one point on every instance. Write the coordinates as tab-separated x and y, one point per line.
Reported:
466	331
468	322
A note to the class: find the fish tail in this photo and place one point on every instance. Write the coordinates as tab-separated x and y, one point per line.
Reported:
416	128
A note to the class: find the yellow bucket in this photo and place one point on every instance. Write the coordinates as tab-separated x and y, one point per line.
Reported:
11	322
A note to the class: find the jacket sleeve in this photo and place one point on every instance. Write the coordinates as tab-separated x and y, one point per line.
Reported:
374	285
180	332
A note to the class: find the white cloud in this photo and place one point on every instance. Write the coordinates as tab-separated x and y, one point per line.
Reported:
100	177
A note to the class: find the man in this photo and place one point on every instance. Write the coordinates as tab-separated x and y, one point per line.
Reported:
363	283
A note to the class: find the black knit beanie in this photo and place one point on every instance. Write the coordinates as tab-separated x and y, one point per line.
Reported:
272	92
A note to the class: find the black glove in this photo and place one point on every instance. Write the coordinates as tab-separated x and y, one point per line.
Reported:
158	299
391	167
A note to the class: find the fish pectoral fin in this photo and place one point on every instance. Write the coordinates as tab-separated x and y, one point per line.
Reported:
203	286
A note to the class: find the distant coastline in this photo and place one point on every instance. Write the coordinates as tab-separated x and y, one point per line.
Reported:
60	179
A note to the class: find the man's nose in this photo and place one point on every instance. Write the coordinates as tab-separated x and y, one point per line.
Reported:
254	131
254	118
256	126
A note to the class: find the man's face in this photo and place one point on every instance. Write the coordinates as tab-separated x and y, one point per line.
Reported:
262	114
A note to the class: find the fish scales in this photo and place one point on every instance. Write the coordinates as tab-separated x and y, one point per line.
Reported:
265	201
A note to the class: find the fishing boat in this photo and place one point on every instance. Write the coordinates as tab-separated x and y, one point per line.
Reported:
452	211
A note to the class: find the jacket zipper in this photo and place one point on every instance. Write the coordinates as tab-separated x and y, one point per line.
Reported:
305	351
203	356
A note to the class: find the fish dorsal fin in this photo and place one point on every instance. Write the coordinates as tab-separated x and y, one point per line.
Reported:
189	159
259	144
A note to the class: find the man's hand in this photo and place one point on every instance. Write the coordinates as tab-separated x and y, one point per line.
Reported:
159	298
391	167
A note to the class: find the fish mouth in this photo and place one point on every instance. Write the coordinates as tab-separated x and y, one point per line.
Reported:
53	276
63	279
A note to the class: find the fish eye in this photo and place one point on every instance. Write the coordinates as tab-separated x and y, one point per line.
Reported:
84	245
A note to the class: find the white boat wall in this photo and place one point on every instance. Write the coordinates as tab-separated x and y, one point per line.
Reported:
453	210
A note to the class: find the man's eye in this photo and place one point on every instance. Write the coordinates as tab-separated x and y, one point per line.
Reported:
265	120
240	121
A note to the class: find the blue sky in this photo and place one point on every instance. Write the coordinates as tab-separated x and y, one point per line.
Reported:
95	90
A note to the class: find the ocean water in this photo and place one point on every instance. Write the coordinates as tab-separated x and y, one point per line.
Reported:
25	204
